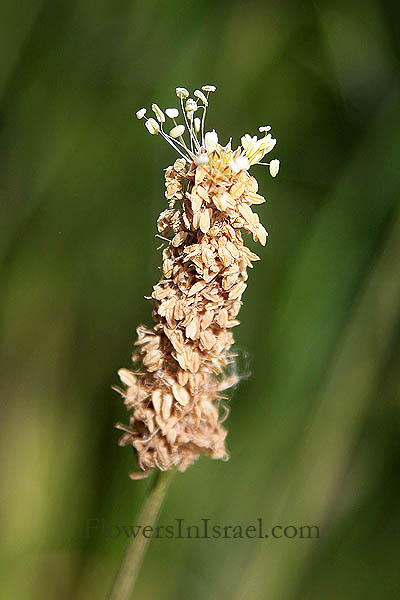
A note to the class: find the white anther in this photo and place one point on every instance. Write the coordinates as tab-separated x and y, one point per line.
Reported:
159	113
199	94
140	113
182	92
191	105
152	126
172	113
274	167
177	131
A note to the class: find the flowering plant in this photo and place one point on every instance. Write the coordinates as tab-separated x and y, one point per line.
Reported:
184	363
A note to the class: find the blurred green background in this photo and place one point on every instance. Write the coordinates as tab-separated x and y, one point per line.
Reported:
314	428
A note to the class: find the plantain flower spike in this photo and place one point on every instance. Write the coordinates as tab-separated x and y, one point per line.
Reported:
184	363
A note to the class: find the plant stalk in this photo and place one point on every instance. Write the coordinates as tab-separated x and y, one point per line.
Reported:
136	549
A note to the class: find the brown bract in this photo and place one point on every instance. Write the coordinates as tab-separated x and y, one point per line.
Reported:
175	391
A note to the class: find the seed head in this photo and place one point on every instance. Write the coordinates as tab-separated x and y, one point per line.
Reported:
183	364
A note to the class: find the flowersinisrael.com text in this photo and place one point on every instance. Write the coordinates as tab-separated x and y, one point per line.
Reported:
179	529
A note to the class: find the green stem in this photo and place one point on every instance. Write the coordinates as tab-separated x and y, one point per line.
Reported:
137	547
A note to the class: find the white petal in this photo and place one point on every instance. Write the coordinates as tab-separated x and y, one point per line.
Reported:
201	159
211	140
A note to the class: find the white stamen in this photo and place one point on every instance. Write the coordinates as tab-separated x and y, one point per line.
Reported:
191	105
274	167
172	113
256	149
177	131
159	113
140	113
182	92
152	126
199	94
201	145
